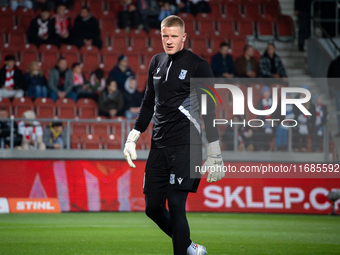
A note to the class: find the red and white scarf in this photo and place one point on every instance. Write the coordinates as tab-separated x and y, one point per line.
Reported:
9	78
319	115
61	24
78	79
43	29
30	133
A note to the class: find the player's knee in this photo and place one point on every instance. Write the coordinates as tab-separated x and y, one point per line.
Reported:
152	211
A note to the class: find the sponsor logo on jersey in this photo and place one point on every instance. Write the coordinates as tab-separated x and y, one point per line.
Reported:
182	74
172	178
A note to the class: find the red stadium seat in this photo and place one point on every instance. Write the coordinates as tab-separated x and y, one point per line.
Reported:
97	8
232	11
247	28
90	62
6	21
265	30
186	17
106	26
26	58
139	44
91	142
285	30
48	48
199	45
225	27
30	47
133	59
100	128
112	142
68	48
87	108
156	45
16	29
24	21
77	6
109	61
272	10
49	59
20	105
66	108
6	103
89	49
120	43
237	46
44	107
215	9
252	11
142	81
6	11
138	33
71	57
17	39
20	12
80	128
2	40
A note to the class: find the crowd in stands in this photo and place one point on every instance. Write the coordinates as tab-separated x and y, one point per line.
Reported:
116	88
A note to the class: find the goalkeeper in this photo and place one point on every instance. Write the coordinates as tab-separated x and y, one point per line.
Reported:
174	106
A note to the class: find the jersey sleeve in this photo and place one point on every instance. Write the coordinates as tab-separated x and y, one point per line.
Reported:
148	103
203	70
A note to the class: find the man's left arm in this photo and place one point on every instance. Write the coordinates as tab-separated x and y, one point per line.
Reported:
214	159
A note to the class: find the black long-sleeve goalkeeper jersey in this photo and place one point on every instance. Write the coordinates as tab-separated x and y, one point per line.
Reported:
173	103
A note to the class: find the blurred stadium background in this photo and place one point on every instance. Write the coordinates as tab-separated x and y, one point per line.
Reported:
90	175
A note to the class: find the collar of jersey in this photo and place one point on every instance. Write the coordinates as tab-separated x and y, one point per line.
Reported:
178	54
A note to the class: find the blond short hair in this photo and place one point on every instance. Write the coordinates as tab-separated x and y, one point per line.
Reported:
173	21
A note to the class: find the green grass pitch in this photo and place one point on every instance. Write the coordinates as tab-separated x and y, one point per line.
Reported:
134	233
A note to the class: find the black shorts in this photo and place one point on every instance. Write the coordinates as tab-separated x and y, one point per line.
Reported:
169	168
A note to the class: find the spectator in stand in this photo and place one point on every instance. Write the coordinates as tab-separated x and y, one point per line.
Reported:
265	133
55	136
41	30
244	136
302	9
60	81
97	83
5	128
199	6
281	131
67	3
21	3
271	65
222	63
246	65
121	72
165	11
86	30
132	98
301	131
319	120
149	13
333	85
79	83
62	25
31	131
12	80
110	100
41	4
128	16
36	83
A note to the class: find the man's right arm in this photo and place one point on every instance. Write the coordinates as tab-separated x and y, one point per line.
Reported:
147	108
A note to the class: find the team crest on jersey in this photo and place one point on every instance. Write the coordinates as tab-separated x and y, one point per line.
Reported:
182	74
172	178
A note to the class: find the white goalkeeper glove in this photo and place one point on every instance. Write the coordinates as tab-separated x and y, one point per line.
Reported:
214	163
130	147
